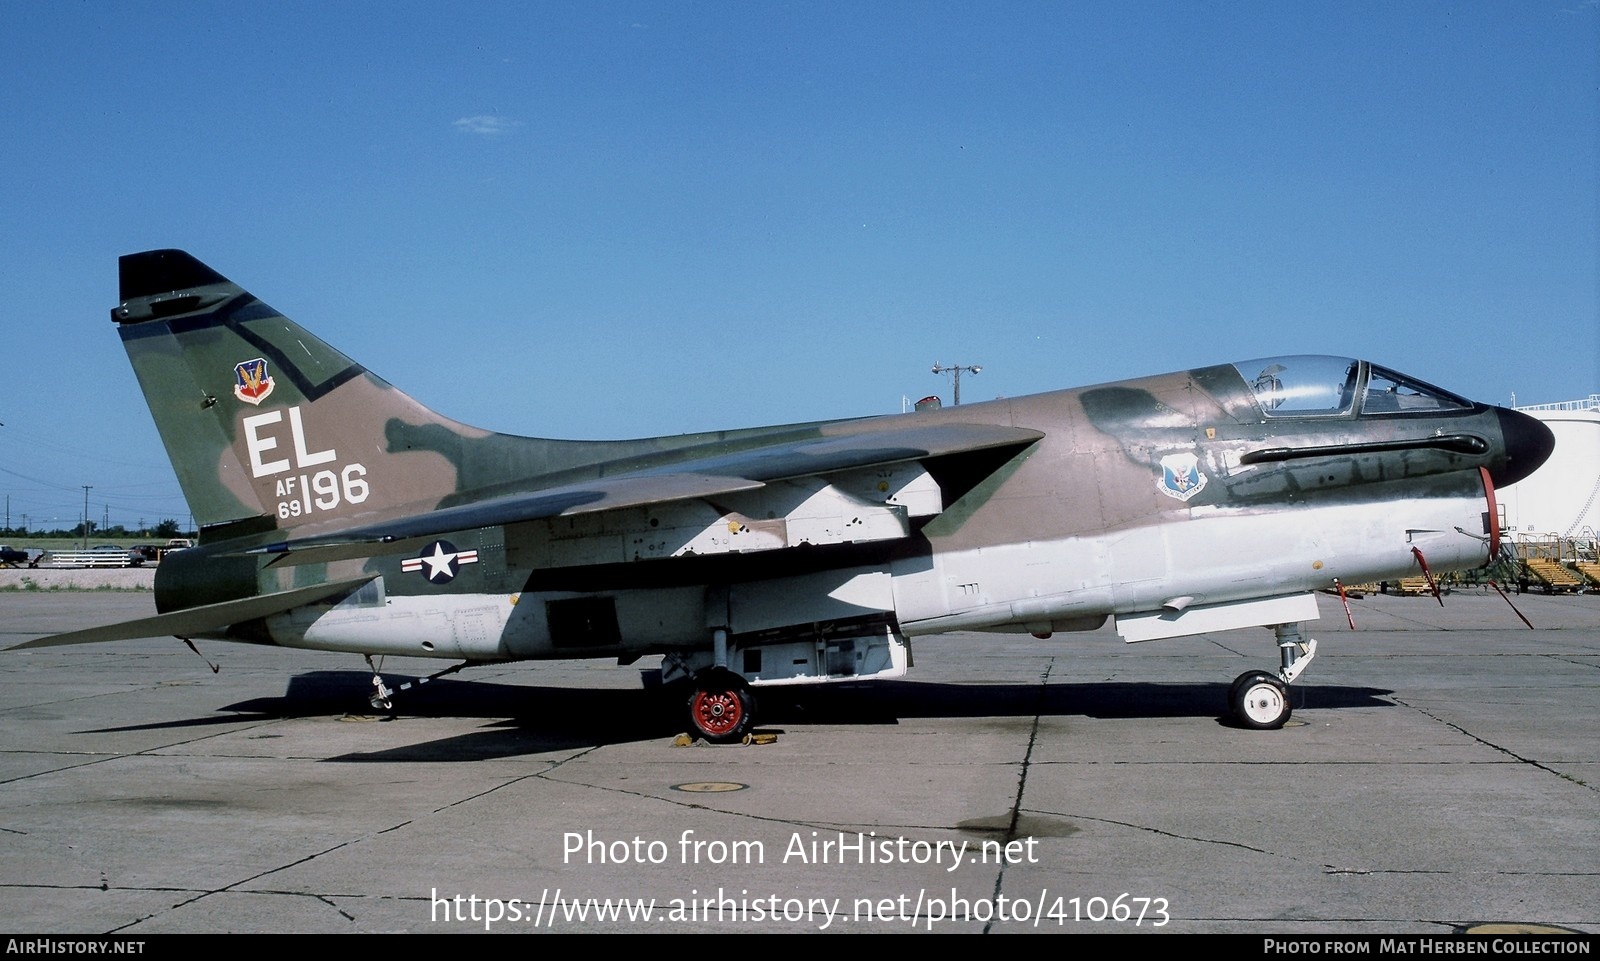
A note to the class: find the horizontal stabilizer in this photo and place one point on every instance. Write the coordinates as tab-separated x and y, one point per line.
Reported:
201	620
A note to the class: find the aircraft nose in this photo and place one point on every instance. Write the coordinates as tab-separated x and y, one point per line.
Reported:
1528	443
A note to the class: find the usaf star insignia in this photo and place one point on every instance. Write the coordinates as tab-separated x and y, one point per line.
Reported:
441	561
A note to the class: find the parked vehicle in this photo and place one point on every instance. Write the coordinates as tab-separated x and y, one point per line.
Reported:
114	556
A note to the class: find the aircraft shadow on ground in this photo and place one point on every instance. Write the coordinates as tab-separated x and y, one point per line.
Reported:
530	719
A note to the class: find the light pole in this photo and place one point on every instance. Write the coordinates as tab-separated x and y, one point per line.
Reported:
957	369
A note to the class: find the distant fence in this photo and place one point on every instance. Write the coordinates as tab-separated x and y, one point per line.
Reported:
86	559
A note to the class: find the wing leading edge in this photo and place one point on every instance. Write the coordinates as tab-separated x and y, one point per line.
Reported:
712	476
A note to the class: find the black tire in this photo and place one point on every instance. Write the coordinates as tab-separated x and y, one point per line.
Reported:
1259	701
1246	678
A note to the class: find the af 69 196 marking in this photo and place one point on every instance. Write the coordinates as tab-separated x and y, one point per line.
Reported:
323	491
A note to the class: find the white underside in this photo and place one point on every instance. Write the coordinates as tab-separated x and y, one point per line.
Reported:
1216	571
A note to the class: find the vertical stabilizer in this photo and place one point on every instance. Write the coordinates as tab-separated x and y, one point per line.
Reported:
266	425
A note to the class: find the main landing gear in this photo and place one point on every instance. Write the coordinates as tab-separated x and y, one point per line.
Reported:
1260	700
721	707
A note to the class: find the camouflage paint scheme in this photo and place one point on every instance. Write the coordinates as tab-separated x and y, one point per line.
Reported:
338	513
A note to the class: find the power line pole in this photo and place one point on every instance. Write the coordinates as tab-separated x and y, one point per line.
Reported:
957	369
86	489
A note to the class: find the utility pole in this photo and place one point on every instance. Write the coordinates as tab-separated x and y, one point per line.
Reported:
957	369
86	489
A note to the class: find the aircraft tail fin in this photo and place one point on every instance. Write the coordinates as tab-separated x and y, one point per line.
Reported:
268	427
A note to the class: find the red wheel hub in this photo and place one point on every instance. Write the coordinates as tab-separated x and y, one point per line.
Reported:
717	712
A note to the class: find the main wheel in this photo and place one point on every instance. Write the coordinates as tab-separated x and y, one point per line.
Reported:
1259	700
721	709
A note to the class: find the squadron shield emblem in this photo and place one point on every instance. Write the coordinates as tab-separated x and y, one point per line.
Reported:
252	383
1181	476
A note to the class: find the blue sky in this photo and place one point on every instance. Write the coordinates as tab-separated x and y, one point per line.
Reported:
628	219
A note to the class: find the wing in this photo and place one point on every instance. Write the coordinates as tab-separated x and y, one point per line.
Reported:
875	474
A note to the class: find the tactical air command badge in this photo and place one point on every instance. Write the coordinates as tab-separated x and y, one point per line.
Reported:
252	383
1181	476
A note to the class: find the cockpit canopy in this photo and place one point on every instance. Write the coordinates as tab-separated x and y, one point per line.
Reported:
1317	386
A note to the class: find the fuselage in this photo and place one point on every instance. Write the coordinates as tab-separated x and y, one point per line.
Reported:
1188	491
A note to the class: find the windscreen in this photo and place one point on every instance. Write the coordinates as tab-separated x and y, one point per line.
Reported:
1391	393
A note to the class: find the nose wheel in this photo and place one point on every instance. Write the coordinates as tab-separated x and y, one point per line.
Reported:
1260	700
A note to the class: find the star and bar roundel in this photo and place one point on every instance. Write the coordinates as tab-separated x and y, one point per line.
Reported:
439	562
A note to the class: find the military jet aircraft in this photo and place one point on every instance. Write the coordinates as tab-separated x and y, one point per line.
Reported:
339	514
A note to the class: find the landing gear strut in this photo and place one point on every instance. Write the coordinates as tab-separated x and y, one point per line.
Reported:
382	698
1260	700
721	708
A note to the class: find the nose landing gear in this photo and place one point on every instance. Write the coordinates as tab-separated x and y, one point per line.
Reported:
1260	700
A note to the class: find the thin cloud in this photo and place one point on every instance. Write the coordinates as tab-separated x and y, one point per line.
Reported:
486	124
